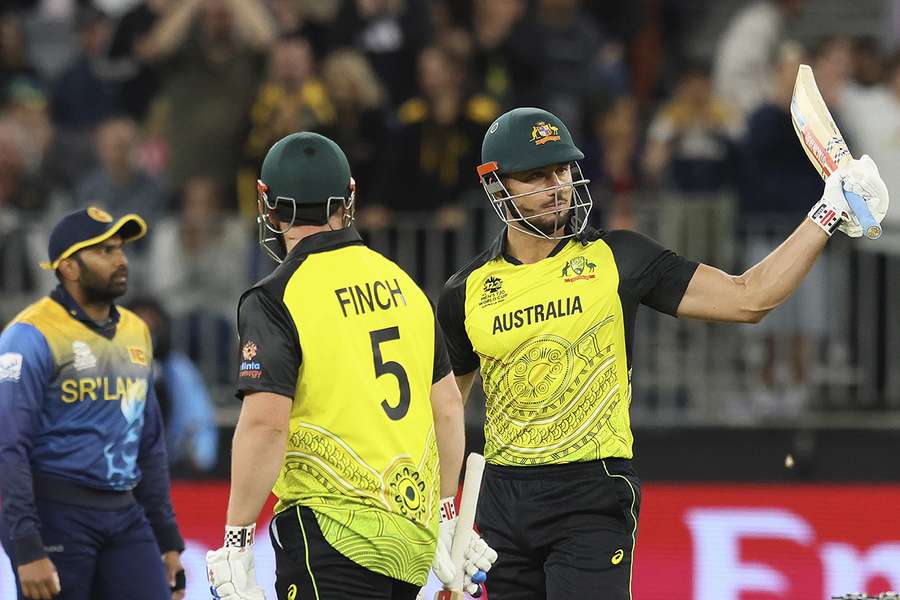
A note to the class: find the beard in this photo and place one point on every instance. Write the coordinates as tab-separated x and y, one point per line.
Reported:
97	289
545	221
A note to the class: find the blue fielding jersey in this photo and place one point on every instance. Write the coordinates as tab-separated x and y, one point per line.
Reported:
77	402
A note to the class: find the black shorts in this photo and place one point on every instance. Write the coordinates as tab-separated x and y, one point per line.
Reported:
307	567
561	531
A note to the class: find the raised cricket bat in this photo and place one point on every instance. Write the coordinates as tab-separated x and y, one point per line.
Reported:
823	142
464	524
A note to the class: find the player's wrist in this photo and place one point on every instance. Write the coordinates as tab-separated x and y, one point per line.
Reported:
826	215
239	536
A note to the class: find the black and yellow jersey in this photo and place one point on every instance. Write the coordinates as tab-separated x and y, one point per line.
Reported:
554	341
352	339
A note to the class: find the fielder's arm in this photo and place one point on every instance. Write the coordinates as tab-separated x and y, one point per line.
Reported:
449	430
257	453
714	295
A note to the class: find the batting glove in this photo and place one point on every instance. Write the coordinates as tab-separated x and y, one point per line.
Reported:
861	177
477	557
232	574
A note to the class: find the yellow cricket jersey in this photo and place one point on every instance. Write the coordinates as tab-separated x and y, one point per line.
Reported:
353	340
553	341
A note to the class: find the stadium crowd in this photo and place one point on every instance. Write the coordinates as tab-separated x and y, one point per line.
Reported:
167	107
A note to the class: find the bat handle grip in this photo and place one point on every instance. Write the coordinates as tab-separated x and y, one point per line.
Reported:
871	228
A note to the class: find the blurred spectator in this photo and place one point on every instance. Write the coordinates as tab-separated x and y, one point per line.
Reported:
833	68
14	61
612	163
779	185
438	144
192	437
129	49
86	93
500	66
291	99
868	63
18	260
390	33
213	51
197	257
573	61
119	183
292	19
360	125
745	50
26	107
690	150
872	118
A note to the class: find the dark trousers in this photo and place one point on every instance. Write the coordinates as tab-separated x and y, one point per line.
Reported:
99	554
307	567
561	531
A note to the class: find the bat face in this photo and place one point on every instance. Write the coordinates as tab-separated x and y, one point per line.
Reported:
819	136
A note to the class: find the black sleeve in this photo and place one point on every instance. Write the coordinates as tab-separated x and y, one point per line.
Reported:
441	359
653	275
269	355
451	314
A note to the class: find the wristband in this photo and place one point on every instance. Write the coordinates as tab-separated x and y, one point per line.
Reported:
826	216
448	509
239	537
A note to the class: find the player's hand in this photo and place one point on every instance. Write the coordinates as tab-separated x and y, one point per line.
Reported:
479	557
39	579
443	564
232	574
175	574
861	177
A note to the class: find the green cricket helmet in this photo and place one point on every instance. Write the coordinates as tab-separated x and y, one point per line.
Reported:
524	139
305	178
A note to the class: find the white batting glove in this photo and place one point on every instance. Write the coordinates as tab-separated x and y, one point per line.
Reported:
443	564
232	574
858	176
479	557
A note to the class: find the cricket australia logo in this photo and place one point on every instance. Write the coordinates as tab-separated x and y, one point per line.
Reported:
543	132
84	358
493	292
577	267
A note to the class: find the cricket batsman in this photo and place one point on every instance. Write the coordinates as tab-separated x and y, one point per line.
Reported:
547	315
84	480
350	414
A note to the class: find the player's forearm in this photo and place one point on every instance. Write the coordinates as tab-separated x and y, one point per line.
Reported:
257	454
253	22
449	431
771	281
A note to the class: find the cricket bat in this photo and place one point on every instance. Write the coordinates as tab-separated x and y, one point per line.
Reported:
823	142
464	524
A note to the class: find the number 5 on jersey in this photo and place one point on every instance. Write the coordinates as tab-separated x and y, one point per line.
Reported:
391	367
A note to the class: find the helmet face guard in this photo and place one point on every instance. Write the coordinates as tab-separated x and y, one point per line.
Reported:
578	206
271	237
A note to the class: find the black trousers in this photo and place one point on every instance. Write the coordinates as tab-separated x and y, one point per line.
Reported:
561	531
308	568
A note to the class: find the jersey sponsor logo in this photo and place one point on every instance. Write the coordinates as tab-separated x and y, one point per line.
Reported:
617	557
376	295
128	389
493	292
138	356
576	267
10	367
543	132
248	352
84	358
537	313
250	369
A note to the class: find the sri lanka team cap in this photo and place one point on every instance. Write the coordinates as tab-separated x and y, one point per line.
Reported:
88	227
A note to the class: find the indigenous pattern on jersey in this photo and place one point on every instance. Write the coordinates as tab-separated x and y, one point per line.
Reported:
352	339
554	342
